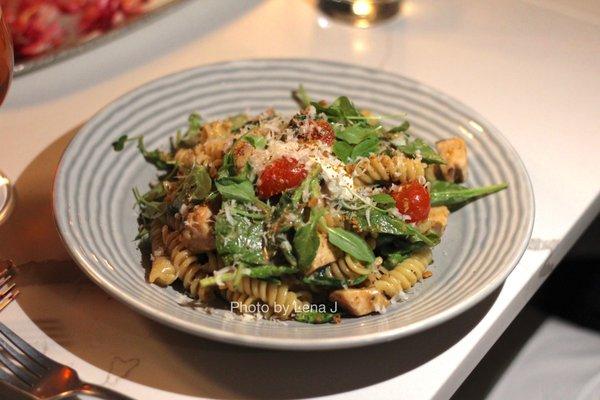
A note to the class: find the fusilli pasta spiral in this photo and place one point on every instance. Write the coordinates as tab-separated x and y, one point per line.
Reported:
278	296
404	275
347	267
187	267
383	168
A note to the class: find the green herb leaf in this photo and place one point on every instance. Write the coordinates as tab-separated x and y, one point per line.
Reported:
451	194
235	189
355	134
400	128
158	158
302	96
306	240
342	150
381	222
383	199
323	277
258	142
239	234
191	137
350	243
315	317
269	271
119	144
363	149
195	187
418	146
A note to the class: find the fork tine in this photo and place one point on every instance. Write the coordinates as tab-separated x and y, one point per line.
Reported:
33	367
27	349
25	376
7	290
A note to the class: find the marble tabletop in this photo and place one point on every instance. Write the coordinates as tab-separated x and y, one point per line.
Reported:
531	67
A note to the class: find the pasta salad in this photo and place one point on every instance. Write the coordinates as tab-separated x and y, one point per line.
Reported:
323	214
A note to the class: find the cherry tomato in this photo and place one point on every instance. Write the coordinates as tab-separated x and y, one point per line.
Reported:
282	174
412	199
320	129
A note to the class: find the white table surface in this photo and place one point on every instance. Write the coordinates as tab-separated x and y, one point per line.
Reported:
531	67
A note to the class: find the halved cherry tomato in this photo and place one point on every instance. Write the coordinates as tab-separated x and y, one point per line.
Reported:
412	199
282	174
319	129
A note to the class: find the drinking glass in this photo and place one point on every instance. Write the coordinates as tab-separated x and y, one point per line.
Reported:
6	67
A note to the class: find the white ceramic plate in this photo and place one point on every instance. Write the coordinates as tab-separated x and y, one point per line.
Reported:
93	198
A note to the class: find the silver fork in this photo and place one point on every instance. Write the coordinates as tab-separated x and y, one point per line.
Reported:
30	372
8	291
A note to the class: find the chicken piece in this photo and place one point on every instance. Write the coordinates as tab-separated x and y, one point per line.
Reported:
436	221
360	302
454	152
325	255
198	234
242	151
216	129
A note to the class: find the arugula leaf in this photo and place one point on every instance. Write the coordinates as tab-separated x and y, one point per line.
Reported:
323	277
342	150
158	158
150	207
341	110
400	128
315	317
355	134
418	146
306	240
195	187
119	144
258	142
302	96
236	189
191	136
239	234
384	199
451	194
382	222
350	243
366	147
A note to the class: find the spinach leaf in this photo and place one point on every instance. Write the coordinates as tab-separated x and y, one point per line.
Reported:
451	194
306	240
258	142
239	234
418	146
315	317
383	199
350	243
382	222
341	111
323	277
366	147
342	150
355	134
